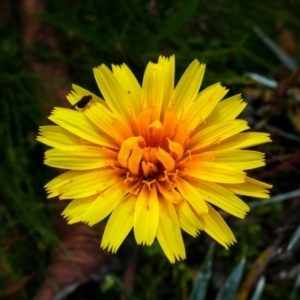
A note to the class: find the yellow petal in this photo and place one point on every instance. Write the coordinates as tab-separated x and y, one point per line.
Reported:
176	148
55	185
215	226
113	93
188	221
76	208
221	197
168	233
194	198
119	224
214	172
168	74
187	88
215	134
62	179
130	85
126	147
77	123
105	204
146	216
89	184
58	137
238	159
250	187
166	159
134	160
226	110
106	121
181	135
242	140
152	90
79	158
203	106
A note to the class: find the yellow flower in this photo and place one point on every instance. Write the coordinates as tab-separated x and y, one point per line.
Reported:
156	157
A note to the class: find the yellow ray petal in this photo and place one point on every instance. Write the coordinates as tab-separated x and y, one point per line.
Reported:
146	216
62	179
168	233
152	90
187	88
89	184
203	106
79	158
130	85
250	187
105	204
113	93
77	123
214	172
242	140
219	196
258	183
106	121
238	159
54	187
215	226
215	134
194	198
58	137
226	110
119	224
76	209
188	221
168	70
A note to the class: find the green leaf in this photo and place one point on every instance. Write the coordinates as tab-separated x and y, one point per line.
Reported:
294	239
259	288
275	199
232	283
203	277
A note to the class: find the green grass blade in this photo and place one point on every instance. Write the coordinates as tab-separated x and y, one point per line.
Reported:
232	283
203	277
275	199
294	239
259	289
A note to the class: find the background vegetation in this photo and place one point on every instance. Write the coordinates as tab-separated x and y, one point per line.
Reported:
46	46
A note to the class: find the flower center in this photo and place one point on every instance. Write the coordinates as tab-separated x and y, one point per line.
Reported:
153	156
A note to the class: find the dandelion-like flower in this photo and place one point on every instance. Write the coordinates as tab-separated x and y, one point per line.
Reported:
156	158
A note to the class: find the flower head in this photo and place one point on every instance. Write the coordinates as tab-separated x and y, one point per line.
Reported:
156	158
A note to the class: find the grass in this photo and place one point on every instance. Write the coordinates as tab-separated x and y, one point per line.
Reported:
90	33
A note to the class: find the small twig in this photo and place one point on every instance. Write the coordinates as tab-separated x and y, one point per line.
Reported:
278	198
283	133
